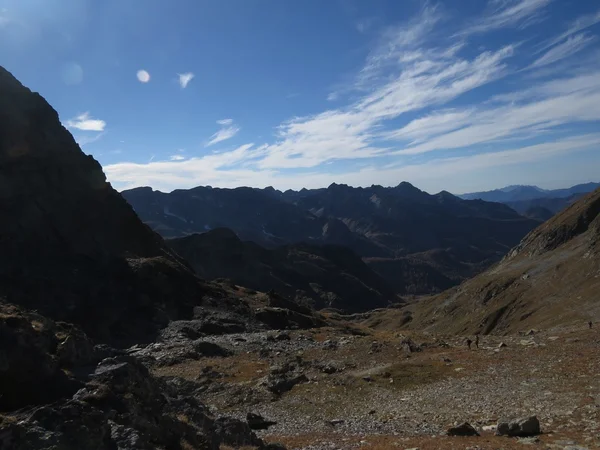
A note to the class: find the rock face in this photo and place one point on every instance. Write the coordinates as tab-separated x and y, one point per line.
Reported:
324	276
419	243
551	278
30	369
71	247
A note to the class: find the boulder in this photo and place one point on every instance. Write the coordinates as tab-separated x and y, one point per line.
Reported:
282	319
464	429
210	349
258	422
529	426
279	384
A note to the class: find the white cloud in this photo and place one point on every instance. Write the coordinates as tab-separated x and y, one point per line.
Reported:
579	24
84	122
399	42
433	175
349	133
569	47
508	13
185	78
228	131
143	76
177	158
550	105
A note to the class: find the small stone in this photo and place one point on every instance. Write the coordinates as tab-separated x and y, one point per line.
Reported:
335	422
528	440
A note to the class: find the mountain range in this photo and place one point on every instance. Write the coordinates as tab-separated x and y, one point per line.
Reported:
419	243
514	194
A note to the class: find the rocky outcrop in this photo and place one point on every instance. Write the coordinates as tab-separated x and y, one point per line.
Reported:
124	407
32	358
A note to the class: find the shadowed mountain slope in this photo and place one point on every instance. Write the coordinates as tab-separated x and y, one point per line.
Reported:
323	276
419	243
71	247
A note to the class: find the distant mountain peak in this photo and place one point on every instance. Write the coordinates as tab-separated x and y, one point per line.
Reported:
515	187
517	193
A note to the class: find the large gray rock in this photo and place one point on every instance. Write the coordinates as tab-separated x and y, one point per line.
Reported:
523	427
124	407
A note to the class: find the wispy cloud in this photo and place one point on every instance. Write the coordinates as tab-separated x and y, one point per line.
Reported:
4	20
185	78
364	25
508	14
84	122
143	76
86	140
569	47
427	80
228	131
424	106
177	158
579	24
549	106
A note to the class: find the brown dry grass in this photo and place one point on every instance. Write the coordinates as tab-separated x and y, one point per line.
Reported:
236	369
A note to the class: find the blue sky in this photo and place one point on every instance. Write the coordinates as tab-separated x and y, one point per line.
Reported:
462	95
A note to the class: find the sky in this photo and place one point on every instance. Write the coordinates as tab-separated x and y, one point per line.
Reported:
456	95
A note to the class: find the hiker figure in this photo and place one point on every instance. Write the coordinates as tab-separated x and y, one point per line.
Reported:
477	341
469	341
590	324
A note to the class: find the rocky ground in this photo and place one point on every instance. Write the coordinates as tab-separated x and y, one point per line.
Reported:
352	387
